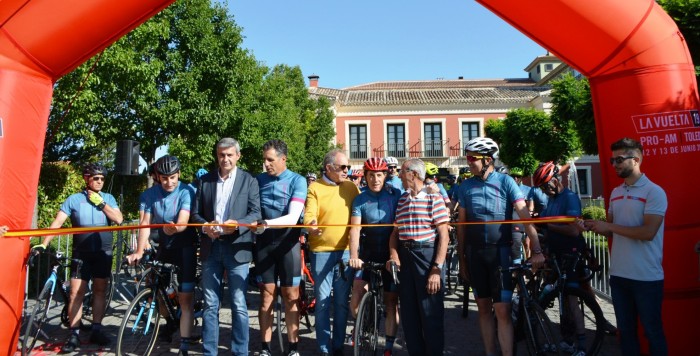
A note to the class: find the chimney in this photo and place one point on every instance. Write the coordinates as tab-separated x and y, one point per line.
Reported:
460	77
313	81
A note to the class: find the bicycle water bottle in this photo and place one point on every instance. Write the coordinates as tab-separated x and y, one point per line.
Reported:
171	292
546	290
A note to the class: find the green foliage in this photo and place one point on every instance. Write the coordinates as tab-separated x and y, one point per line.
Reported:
572	111
183	80
686	14
57	181
528	136
593	212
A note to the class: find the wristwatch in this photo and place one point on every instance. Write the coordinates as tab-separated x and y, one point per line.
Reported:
436	265
101	206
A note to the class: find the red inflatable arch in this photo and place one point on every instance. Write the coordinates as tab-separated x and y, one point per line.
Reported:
641	75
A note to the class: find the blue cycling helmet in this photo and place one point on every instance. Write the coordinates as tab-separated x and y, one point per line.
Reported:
200	173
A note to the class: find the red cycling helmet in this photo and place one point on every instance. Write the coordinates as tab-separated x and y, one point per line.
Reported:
375	164
544	173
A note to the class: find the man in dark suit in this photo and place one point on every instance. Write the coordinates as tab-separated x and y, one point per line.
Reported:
228	196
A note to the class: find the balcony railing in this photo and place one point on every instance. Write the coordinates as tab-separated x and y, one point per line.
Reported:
358	151
397	150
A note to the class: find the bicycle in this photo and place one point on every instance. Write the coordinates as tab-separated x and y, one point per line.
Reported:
582	322
529	319
370	310
158	300
307	299
42	305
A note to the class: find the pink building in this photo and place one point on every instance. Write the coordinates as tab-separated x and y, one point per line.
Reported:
433	119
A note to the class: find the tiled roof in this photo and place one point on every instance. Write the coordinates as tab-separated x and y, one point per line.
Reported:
434	92
443	84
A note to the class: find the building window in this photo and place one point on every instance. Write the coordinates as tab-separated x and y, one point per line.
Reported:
548	67
358	141
396	140
433	139
584	181
470	130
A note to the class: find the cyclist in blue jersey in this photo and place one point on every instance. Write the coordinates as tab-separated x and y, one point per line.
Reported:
520	242
277	250
90	207
563	238
169	203
489	197
376	205
392	177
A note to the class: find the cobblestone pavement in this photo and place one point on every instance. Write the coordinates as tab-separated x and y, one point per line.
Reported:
462	336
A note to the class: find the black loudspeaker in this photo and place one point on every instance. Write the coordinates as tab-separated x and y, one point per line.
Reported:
126	161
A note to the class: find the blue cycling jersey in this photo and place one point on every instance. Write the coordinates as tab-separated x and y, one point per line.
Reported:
83	213
165	207
565	203
443	192
376	208
538	197
526	193
395	182
489	200
276	194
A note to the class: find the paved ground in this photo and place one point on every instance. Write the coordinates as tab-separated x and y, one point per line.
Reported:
462	336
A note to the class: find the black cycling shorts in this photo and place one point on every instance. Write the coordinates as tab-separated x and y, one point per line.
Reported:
96	264
275	257
186	260
486	279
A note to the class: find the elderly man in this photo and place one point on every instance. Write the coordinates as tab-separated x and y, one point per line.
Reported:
418	246
329	202
227	196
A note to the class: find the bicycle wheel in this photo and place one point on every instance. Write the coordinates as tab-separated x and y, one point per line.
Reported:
280	322
539	334
307	305
139	328
36	320
366	328
581	307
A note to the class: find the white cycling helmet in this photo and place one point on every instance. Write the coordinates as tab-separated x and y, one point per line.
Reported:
391	161
482	145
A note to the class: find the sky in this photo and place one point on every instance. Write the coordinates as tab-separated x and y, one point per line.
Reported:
353	42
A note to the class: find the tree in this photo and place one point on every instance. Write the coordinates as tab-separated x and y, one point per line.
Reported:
686	14
527	137
183	80
572	110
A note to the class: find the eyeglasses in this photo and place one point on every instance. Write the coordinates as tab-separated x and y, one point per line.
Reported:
342	166
475	158
97	179
620	159
392	167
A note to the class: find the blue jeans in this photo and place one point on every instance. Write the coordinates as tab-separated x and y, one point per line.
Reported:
632	299
221	259
327	277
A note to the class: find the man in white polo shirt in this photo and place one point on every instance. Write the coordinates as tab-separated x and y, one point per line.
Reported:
636	222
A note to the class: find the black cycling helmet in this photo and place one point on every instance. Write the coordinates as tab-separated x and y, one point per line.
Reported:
167	165
94	169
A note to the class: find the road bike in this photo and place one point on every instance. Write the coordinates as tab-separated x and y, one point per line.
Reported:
371	310
43	306
154	305
529	319
581	320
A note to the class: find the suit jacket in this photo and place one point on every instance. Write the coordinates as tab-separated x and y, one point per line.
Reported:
244	207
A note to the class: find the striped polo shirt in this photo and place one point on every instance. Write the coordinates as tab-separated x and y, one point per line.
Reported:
419	216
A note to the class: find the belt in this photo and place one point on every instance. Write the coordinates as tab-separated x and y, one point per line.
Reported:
411	244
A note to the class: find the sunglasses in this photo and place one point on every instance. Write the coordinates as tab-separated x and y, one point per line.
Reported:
97	179
475	158
342	166
620	159
392	167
